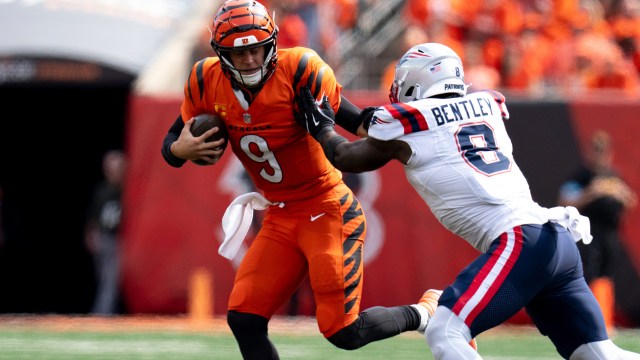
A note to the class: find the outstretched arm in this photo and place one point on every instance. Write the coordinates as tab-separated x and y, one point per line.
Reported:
359	156
352	118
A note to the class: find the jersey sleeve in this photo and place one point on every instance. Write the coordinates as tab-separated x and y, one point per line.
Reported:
194	88
312	70
392	121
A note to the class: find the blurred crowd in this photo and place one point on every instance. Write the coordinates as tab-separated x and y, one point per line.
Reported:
535	48
568	46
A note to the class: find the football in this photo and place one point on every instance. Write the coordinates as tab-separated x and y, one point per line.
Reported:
204	122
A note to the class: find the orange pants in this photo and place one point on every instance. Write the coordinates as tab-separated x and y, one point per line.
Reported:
322	237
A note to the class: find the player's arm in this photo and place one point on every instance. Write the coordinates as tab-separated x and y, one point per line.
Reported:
359	156
172	136
180	145
362	155
352	118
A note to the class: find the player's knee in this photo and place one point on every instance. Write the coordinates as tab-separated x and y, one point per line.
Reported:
348	338
445	330
435	336
243	324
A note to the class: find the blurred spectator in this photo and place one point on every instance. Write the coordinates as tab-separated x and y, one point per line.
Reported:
412	35
102	232
599	193
292	30
614	75
525	62
307	11
625	24
477	72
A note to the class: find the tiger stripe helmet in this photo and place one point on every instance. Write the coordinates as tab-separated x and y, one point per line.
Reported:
241	25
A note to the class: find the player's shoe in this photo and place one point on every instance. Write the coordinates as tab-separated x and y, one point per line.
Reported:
426	307
474	344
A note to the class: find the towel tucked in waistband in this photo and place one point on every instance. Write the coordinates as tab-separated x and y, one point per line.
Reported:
237	220
569	217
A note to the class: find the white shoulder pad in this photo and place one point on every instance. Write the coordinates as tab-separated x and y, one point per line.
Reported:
392	121
383	126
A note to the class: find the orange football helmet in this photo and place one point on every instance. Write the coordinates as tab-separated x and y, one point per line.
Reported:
241	25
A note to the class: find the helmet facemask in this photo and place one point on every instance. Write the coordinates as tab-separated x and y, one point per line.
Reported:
250	78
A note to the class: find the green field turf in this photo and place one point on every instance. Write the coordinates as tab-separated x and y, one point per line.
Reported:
505	342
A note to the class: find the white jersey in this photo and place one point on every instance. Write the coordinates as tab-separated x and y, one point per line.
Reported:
462	163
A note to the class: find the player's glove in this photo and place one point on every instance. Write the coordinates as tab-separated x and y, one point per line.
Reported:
365	116
316	117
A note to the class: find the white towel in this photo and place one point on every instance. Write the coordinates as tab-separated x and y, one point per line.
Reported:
569	217
237	220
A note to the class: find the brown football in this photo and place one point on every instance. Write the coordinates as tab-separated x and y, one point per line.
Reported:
204	122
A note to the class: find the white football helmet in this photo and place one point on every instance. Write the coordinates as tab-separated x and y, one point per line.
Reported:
427	70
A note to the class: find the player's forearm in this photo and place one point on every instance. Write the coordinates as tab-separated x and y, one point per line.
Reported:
349	156
172	135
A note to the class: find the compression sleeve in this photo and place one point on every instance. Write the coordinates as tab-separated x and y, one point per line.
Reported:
348	116
172	135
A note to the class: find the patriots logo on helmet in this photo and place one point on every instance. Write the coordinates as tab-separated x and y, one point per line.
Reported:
412	55
416	54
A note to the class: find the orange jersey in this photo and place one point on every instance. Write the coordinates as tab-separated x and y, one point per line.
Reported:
284	162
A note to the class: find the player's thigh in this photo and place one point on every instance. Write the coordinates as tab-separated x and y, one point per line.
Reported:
334	248
269	273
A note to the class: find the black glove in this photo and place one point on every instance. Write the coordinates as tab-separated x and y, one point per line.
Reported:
366	115
314	117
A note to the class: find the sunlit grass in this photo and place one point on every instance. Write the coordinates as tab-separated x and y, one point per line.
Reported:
98	339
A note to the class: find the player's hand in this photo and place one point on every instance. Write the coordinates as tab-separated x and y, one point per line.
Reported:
195	148
315	116
366	115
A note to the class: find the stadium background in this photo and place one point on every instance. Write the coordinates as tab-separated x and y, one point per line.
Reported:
63	109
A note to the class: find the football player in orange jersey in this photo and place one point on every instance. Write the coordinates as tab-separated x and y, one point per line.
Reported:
319	228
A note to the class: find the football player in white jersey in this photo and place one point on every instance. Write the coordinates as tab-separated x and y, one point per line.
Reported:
458	156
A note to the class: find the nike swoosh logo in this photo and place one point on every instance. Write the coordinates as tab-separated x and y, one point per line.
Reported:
314	218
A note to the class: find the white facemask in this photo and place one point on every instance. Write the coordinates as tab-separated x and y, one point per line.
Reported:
249	79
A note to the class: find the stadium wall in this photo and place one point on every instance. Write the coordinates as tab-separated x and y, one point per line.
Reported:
172	219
